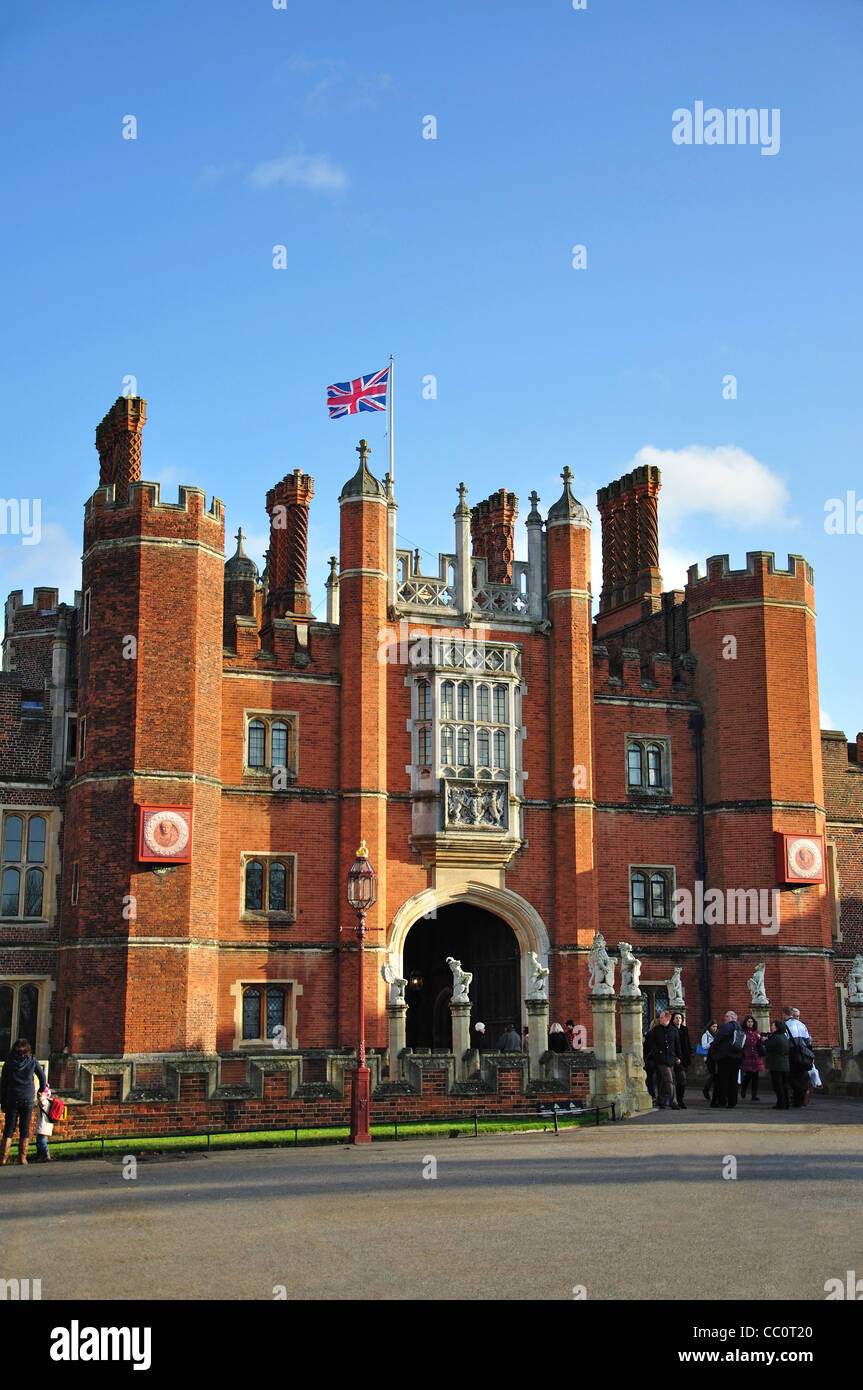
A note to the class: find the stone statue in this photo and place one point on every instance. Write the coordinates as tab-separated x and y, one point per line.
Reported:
675	989
396	983
855	981
756	985
601	967
630	971
538	978
460	981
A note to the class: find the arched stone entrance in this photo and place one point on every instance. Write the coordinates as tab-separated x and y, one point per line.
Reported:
513	929
487	947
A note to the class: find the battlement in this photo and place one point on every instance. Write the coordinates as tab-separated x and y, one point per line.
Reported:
115	513
44	601
628	673
760	578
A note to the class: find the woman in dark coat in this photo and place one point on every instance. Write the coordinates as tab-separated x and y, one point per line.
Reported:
17	1098
753	1051
685	1058
778	1065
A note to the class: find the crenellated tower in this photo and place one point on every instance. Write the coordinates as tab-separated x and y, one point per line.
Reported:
752	632
139	959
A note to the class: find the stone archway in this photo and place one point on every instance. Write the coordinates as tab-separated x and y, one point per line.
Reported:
529	928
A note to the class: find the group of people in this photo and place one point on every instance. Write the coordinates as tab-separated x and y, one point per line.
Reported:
737	1055
23	1088
560	1038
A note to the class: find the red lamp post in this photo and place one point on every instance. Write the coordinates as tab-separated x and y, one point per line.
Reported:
362	894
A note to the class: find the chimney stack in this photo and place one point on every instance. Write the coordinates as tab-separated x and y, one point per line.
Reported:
630	538
492	529
288	507
118	441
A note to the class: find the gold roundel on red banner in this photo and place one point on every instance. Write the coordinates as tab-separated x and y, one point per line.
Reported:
804	858
164	833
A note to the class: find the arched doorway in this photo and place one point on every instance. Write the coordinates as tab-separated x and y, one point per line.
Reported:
488	947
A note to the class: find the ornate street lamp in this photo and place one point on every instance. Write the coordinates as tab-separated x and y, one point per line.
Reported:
362	894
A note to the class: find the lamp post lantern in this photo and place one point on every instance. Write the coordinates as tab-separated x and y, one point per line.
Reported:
362	894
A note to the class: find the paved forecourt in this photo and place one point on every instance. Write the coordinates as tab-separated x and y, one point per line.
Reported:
506	1217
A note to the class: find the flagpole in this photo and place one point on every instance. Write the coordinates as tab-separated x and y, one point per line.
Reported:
391	413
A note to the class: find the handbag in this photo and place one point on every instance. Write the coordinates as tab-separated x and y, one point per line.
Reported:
55	1109
814	1076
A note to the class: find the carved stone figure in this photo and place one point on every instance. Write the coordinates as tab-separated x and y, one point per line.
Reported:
675	989
396	983
601	967
756	985
538	978
855	981
460	981
630	971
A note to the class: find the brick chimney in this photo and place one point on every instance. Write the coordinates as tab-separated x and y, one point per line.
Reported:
492	529
118	440
288	507
630	539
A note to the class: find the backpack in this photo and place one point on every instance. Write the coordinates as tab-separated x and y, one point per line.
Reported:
800	1054
55	1109
738	1039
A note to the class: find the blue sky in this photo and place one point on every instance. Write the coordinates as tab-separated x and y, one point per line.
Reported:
302	127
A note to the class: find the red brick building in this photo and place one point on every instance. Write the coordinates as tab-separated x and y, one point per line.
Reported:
189	760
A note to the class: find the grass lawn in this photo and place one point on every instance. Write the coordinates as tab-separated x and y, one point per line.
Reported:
196	1143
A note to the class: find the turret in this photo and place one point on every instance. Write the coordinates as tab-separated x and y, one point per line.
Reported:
569	611
362	615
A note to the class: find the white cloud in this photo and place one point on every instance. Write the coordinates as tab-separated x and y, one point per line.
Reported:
724	482
825	720
315	172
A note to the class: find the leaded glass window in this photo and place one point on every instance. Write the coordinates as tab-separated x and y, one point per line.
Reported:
254	886
279	740
639	895
257	744
11	892
275	1010
633	764
251	1013
278	881
12	837
33	893
36	840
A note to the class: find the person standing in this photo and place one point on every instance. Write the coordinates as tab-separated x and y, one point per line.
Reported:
753	1055
727	1051
44	1126
509	1041
799	1059
707	1042
777	1063
685	1059
16	1097
663	1047
557	1038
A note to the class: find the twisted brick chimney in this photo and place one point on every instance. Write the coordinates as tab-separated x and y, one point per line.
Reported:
492	529
118	440
288	507
630	538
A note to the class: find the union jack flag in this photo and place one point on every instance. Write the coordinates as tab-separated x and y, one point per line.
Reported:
363	393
